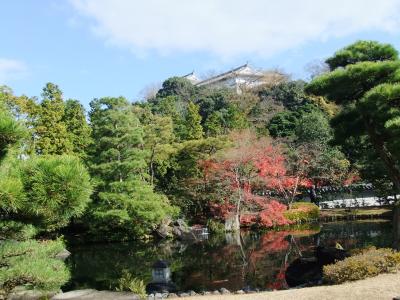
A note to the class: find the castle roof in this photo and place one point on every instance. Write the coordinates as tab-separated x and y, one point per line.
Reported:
243	70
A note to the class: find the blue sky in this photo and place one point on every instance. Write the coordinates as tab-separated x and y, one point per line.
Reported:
95	48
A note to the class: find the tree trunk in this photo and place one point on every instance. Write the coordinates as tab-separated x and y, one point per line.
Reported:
232	223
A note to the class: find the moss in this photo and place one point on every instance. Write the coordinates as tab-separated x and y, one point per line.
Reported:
366	263
301	212
33	264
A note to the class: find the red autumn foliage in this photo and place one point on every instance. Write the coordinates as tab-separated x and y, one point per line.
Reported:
251	163
273	215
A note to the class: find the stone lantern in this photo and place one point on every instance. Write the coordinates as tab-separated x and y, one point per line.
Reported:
161	272
161	282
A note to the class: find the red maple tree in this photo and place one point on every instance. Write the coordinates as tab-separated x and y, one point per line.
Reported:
251	164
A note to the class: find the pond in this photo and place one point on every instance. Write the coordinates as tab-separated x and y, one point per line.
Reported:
249	260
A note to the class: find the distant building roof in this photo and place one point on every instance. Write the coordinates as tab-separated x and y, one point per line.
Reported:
243	70
191	77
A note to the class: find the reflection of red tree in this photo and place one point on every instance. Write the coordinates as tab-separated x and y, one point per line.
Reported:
281	244
270	242
280	281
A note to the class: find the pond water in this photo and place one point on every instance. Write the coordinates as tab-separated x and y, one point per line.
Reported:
249	260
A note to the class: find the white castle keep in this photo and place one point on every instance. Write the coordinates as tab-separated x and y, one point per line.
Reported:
240	78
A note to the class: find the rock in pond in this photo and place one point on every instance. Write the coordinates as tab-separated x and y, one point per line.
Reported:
63	255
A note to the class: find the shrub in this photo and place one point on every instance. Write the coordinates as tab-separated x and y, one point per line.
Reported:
273	215
368	263
130	210
131	284
32	263
215	226
302	212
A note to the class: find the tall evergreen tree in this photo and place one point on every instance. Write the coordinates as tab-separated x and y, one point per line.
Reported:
50	130
77	127
126	206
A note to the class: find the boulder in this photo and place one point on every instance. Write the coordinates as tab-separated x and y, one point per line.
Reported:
224	291
63	255
172	295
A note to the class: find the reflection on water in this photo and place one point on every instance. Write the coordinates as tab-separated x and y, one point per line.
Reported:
251	259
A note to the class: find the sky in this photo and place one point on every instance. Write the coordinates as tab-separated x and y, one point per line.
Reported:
99	48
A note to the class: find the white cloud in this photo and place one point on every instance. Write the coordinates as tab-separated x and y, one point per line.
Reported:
11	69
233	27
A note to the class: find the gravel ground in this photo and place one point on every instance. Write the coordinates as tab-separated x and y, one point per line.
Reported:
385	286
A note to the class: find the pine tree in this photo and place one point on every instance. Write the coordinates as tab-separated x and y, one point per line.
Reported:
365	80
77	127
126	206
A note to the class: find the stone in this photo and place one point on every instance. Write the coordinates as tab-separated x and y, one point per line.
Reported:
183	295
73	294
63	255
239	292
216	293
192	293
21	293
90	294
172	295
158	296
205	293
26	295
224	291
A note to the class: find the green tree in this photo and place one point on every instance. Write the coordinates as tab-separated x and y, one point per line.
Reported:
192	123
181	181
158	140
364	79
46	191
214	124
78	129
290	94
177	86
283	124
322	163
126	206
173	107
50	130
10	130
56	188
